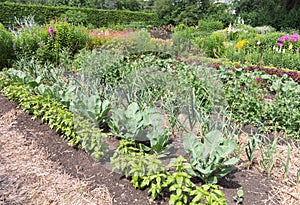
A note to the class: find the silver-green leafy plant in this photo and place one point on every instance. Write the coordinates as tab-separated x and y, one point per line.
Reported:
140	125
210	156
91	107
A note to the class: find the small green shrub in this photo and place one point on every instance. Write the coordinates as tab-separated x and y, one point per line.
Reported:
7	54
209	26
213	45
183	40
27	41
60	36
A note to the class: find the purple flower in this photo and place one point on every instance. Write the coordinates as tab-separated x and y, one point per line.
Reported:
65	19
51	31
287	37
280	44
281	39
258	79
295	37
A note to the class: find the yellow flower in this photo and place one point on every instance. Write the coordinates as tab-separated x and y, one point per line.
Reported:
290	46
241	43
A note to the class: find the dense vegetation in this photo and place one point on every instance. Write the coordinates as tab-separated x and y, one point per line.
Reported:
87	16
281	14
194	89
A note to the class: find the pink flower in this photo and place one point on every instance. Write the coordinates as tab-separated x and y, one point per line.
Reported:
65	19
258	79
295	37
280	44
281	39
287	37
51	31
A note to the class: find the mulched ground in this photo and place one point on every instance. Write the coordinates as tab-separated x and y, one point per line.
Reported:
69	167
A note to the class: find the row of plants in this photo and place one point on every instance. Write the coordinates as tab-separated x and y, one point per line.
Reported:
75	129
93	17
241	43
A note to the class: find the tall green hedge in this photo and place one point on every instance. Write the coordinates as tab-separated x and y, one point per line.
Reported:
96	17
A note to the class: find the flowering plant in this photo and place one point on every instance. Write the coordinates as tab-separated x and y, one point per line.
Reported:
288	42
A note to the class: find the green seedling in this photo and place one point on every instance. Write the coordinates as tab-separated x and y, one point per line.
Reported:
239	197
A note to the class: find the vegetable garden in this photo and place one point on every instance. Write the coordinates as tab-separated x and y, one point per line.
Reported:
185	112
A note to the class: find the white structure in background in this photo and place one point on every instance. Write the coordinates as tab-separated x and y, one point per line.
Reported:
223	1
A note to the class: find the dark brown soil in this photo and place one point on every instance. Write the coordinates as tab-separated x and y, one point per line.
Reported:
79	164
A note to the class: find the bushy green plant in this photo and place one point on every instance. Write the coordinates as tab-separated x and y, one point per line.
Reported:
27	41
7	54
105	65
183	40
132	161
266	101
207	26
210	156
213	45
61	35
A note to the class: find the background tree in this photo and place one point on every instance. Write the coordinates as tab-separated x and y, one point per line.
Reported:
181	11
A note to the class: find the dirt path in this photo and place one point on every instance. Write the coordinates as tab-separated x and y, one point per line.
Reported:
27	176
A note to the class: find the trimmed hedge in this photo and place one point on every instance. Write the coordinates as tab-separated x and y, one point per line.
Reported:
96	17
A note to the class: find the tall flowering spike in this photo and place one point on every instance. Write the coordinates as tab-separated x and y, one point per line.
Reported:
51	31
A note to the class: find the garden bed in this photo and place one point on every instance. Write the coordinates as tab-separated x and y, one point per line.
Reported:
79	166
128	113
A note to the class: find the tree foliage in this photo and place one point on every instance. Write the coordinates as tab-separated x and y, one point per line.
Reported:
183	11
280	14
